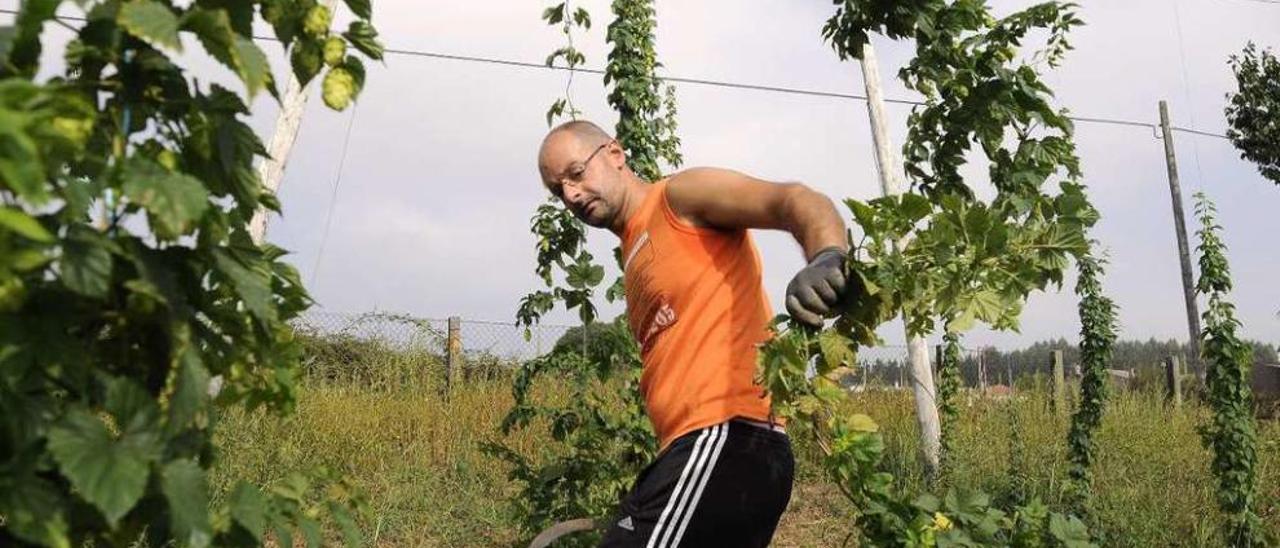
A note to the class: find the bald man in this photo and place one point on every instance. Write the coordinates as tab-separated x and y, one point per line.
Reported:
697	307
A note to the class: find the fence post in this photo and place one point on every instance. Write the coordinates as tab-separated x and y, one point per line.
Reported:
1059	383
1173	379
453	360
982	371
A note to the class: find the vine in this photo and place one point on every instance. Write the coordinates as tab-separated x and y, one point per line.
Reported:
1232	434
646	114
607	436
949	386
970	260
1097	336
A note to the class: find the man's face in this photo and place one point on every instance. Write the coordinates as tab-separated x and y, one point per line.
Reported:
584	175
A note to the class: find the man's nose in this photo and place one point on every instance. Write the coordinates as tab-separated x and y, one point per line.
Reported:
573	195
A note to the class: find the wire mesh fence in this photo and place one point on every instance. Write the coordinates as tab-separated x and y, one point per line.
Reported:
342	342
402	332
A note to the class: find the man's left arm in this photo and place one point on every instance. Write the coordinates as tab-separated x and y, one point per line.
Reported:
721	198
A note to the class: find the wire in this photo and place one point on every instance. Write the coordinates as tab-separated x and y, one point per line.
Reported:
1186	90
720	83
333	198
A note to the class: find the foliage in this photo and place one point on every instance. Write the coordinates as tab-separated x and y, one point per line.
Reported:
646	114
854	449
972	260
969	260
567	17
1232	434
1097	336
128	277
602	421
609	439
949	385
1253	111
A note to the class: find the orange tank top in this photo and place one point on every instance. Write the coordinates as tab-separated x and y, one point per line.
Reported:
697	306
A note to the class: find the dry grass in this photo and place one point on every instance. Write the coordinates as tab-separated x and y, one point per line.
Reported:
418	459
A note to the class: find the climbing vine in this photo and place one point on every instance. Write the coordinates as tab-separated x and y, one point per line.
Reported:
1097	336
128	277
970	259
603	424
646	117
1232	434
949	385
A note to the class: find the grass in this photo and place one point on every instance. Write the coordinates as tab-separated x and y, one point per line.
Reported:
417	457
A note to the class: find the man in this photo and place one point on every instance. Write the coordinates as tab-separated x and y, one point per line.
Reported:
697	307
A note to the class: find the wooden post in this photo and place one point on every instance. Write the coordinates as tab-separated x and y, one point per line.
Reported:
982	370
454	359
1184	252
271	169
917	348
1173	379
1059	383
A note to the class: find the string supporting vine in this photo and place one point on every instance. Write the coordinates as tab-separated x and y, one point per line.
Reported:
949	385
971	260
1231	434
1097	337
604	423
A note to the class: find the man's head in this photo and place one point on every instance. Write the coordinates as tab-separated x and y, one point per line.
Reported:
584	167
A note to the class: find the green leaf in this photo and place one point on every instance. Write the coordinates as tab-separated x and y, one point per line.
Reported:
151	21
251	280
110	473
361	8
134	409
915	207
249	509
86	264
175	202
837	350
213	28
252	65
24	225
25	49
307	59
190	392
350	533
21	169
364	37
184	486
338	88
353	65
33	511
311	531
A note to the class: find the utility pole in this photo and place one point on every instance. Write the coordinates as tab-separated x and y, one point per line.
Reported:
1184	251
917	347
271	168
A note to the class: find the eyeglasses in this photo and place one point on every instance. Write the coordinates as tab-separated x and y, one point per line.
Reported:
573	175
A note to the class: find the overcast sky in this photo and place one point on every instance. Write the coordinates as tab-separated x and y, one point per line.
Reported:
439	181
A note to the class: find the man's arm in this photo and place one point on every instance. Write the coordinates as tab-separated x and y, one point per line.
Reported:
722	198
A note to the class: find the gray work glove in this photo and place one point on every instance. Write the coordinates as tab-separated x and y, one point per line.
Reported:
816	289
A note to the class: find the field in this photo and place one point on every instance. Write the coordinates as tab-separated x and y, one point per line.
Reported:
417	456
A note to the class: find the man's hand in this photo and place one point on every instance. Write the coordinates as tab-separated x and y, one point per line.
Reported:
817	287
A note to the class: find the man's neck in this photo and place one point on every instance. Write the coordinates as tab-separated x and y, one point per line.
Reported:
633	196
